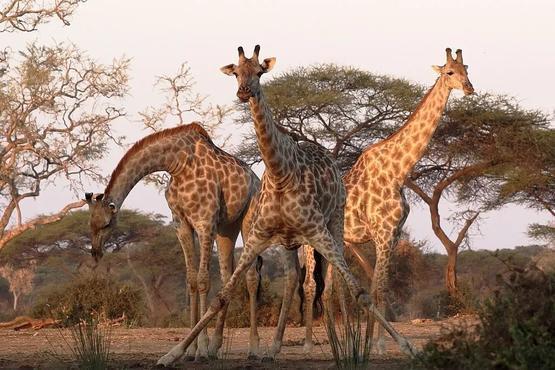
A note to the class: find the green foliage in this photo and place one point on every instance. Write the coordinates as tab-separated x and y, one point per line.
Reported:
516	329
90	297
543	232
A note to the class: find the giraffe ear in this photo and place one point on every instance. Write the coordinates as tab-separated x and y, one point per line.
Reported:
228	69
437	69
88	197
268	64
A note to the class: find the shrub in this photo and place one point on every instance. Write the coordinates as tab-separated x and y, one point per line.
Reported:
516	329
91	297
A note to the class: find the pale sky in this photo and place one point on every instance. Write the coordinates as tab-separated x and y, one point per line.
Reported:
507	44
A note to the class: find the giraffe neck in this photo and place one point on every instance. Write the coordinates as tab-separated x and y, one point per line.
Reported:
415	135
277	148
160	155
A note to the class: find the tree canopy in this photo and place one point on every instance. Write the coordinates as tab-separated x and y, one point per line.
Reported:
487	151
57	106
343	109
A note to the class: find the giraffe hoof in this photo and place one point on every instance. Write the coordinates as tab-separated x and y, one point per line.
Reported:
252	357
188	358
308	347
201	359
165	361
408	349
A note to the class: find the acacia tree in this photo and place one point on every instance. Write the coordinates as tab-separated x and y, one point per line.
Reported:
20	280
470	156
476	150
343	109
27	15
56	112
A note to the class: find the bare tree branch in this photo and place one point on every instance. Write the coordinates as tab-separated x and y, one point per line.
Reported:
27	15
41	220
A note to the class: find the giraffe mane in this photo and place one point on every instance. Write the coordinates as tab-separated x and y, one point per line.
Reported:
193	127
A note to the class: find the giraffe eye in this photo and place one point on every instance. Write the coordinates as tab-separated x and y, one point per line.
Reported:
450	73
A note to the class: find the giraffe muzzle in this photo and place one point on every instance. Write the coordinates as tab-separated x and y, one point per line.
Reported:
244	93
468	89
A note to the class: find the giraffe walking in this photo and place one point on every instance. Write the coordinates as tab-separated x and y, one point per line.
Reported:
211	194
301	199
376	209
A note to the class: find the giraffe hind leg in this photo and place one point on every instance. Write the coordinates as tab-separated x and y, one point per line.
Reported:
291	267
255	245
310	294
253	288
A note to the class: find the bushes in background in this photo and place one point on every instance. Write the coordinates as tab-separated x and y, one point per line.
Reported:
91	296
516	329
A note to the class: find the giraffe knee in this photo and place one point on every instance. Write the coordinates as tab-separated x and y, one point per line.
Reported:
218	302
253	280
203	282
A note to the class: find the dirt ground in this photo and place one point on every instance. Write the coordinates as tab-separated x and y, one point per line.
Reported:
141	348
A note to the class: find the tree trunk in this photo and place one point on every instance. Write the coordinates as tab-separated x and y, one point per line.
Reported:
149	301
15	300
451	272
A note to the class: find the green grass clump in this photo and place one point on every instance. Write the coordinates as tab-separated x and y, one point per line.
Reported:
90	344
351	348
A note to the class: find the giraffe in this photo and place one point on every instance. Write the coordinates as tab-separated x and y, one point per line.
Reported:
211	195
376	209
301	200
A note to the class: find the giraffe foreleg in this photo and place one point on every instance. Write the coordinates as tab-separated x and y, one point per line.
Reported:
206	234
186	239
226	243
253	286
255	245
291	267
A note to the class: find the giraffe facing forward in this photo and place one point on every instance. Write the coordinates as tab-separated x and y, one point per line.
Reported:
376	209
301	198
210	193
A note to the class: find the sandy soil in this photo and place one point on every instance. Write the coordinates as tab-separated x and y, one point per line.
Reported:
140	348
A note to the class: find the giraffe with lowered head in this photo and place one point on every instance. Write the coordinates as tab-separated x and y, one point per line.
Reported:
375	208
211	195
301	200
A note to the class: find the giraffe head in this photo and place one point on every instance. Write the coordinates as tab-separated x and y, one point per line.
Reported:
102	221
248	73
454	73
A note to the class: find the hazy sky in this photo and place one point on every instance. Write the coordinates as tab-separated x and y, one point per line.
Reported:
507	44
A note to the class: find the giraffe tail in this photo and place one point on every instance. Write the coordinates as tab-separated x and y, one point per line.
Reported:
320	284
302	276
259	263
